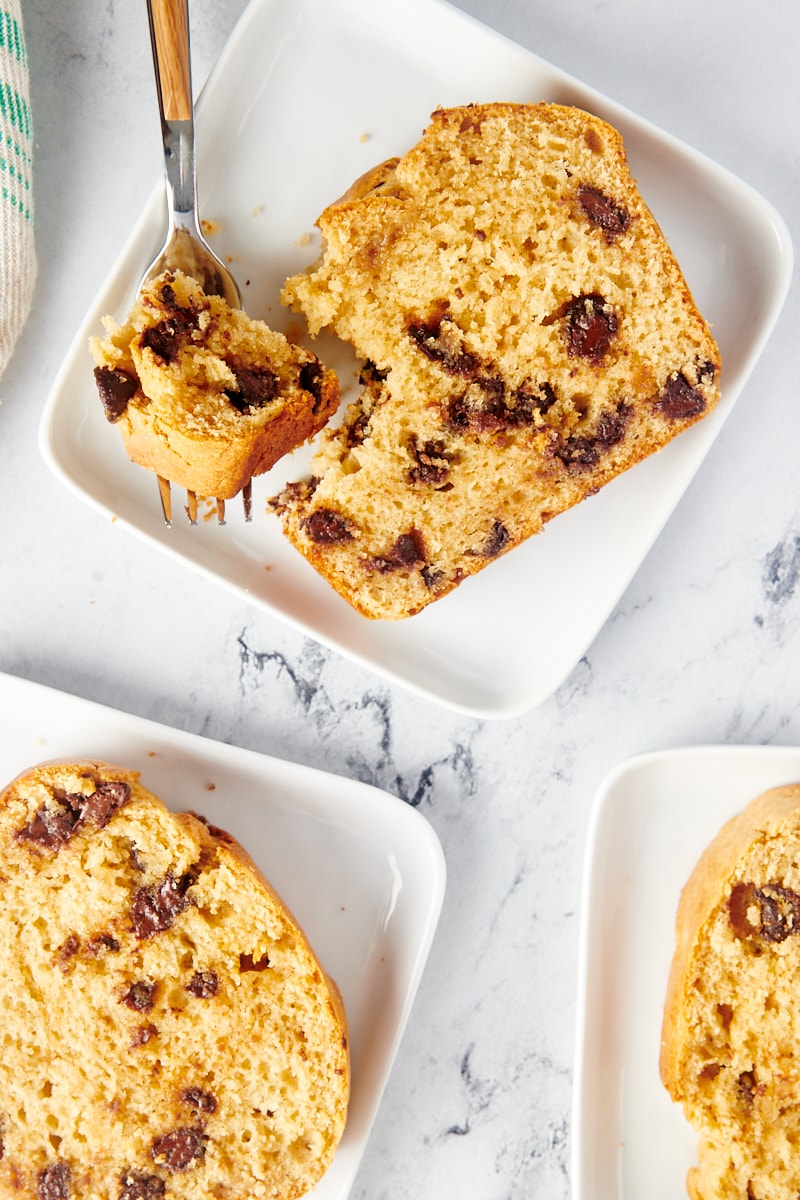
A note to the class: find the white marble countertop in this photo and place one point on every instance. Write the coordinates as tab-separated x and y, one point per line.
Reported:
702	647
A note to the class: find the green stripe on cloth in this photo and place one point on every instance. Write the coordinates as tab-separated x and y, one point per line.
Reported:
15	110
11	170
20	153
11	38
17	188
16	203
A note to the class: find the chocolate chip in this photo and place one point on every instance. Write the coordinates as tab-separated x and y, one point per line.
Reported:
254	389
55	1182
140	996
485	406
294	495
612	425
168	297
778	911
432	577
409	549
116	387
406	553
581	453
497	540
440	340
602	211
155	908
136	1185
203	984
103	941
328	528
177	1150
199	1100
678	400
166	338
51	827
74	801
584	451
311	379
481	407
370	375
109	796
355	431
591	325
135	859
246	963
432	461
530	399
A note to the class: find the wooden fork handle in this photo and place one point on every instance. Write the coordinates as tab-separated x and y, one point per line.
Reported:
169	33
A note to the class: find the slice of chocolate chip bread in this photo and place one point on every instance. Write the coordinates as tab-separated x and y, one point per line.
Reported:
731	1030
528	336
204	395
166	1030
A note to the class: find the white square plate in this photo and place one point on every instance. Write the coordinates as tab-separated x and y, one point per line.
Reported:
652	818
305	97
363	872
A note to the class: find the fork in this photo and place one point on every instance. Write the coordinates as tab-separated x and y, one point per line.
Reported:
185	247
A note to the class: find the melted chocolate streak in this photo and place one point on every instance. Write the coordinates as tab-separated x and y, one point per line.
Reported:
255	667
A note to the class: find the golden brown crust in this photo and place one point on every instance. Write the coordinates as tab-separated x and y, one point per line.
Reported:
151	978
380	179
528	336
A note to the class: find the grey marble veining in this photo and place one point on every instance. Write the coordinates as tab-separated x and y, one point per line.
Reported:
702	647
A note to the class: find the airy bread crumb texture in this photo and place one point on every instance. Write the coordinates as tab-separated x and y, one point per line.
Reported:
527	335
732	1017
166	1030
204	395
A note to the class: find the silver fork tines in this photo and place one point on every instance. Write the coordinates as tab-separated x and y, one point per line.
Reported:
165	494
166	499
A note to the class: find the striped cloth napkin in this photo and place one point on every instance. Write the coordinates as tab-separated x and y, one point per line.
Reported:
17	254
